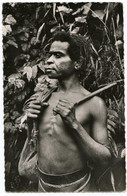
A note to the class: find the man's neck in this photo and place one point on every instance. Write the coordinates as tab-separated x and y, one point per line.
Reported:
69	84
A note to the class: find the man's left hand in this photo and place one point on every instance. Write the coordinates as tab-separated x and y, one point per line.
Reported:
67	111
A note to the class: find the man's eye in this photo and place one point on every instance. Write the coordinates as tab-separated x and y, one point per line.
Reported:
57	55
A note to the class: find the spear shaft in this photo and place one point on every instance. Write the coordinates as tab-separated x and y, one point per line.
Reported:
97	92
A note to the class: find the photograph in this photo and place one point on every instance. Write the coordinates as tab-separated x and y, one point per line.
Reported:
64	97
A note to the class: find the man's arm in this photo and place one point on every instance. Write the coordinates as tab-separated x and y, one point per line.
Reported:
94	146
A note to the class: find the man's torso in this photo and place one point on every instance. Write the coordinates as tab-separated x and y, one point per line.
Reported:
58	150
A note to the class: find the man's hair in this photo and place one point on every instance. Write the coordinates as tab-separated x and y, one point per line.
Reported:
78	46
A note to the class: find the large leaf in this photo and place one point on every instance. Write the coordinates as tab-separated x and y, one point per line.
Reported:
75	30
28	72
12	4
20	84
41	66
13	77
6	29
12	43
10	20
99	14
34	71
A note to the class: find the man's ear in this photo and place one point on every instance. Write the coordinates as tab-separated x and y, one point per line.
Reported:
77	66
78	63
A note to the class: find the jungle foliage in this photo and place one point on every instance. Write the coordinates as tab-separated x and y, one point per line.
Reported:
27	29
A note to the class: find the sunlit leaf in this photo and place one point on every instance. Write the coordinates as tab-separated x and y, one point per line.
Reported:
86	8
64	9
12	43
38	11
34	71
28	72
6	29
10	20
94	49
54	29
44	38
77	11
12	4
41	66
54	11
75	30
119	43
113	181
117	19
40	30
112	123
20	84
80	19
13	77
110	128
98	13
61	16
123	153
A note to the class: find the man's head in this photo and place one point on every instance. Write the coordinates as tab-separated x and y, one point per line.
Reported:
78	45
72	46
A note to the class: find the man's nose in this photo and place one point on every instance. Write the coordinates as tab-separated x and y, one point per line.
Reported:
50	60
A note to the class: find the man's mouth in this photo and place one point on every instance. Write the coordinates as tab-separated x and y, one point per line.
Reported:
48	70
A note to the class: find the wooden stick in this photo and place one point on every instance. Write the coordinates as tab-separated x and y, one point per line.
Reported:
98	91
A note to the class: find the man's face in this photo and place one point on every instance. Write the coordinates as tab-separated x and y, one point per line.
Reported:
59	64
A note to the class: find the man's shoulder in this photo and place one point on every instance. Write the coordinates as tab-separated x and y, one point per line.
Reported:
97	106
95	100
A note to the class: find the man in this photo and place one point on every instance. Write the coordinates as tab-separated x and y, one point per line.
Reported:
71	137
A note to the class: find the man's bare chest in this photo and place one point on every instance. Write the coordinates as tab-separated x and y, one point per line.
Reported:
82	111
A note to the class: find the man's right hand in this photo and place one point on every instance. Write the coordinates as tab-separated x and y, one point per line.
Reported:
34	108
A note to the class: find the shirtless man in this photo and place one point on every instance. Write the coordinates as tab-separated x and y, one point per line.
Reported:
70	137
